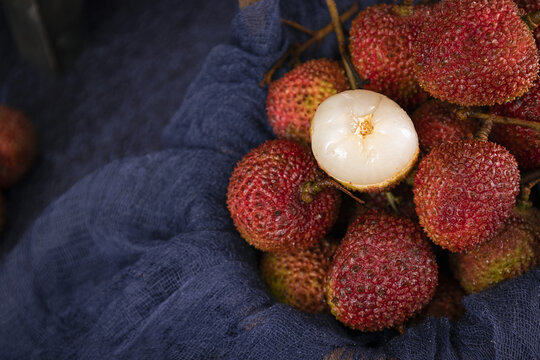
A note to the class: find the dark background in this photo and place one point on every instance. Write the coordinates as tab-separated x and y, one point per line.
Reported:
166	52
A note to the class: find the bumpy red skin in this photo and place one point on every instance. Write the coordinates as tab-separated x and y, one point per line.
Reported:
436	122
522	142
512	252
17	145
475	52
263	198
293	99
298	279
383	272
464	192
380	44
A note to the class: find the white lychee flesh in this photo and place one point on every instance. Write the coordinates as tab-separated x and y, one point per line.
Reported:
364	140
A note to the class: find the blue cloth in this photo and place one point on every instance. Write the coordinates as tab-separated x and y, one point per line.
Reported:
140	259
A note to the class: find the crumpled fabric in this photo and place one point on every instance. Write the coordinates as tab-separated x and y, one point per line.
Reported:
140	259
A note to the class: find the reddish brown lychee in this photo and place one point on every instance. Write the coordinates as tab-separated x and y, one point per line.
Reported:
380	43
475	52
383	272
298	279
293	99
530	6
437	122
509	254
464	192
447	301
267	200
522	142
17	145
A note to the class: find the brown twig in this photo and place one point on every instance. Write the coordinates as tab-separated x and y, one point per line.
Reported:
528	180
497	119
297	49
297	26
342	43
312	188
532	20
485	129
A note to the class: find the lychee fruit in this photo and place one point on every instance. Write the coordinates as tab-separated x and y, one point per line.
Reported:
17	145
437	122
267	200
475	52
298	279
364	140
522	142
464	191
293	99
510	253
380	43
383	272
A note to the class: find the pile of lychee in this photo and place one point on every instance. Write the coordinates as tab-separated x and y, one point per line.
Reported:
17	149
360	205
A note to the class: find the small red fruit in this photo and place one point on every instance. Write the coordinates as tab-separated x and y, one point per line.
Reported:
293	99
17	145
267	202
383	272
464	192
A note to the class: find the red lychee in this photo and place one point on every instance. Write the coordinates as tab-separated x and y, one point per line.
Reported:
293	99
267	202
522	142
381	40
383	272
17	145
437	122
475	52
298	279
464	192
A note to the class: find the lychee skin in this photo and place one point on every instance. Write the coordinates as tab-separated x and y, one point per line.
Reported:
464	192
509	254
383	272
447	301
264	201
298	279
293	99
380	44
437	122
475	52
17	145
522	142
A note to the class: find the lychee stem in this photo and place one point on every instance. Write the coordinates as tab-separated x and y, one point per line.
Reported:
295	50
342	43
485	129
393	201
528	180
464	113
532	20
297	26
311	188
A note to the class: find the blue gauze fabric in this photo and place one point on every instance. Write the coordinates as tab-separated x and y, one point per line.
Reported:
140	259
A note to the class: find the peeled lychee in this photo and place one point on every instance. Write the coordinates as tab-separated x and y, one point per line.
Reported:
17	145
464	192
383	272
509	254
293	99
437	122
475	52
364	140
267	202
522	142
380	43
298	279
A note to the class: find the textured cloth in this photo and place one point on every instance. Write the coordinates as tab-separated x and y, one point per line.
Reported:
140	259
